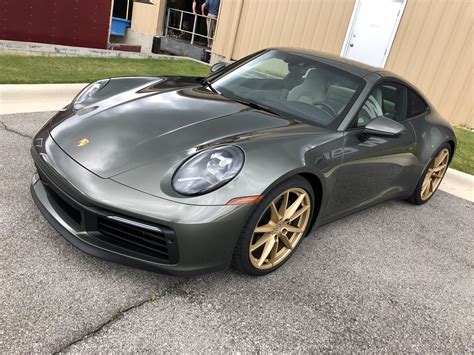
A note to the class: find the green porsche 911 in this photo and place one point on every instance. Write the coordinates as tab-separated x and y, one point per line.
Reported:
186	175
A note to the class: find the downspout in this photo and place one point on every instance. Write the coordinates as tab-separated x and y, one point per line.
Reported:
110	23
231	44
162	18
128	9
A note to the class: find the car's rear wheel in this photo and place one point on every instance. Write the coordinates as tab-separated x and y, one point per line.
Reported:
432	176
276	227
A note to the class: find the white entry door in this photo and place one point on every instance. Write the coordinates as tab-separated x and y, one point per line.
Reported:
371	31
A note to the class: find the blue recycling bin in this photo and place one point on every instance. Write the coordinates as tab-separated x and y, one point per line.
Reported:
119	26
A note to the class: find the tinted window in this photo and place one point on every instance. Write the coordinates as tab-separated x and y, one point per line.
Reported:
416	105
386	100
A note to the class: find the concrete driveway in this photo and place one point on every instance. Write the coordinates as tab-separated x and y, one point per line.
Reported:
394	278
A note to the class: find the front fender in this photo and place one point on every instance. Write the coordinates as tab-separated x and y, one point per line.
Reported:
267	163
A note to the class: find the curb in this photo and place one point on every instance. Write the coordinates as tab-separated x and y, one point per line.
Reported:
52	50
459	184
24	98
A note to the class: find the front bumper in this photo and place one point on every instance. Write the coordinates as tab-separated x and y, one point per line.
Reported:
193	239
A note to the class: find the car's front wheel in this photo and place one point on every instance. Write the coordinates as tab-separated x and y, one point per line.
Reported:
276	227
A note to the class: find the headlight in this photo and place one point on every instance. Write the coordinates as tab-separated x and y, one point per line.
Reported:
208	170
90	91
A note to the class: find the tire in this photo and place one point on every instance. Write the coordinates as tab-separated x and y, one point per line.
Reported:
420	196
284	241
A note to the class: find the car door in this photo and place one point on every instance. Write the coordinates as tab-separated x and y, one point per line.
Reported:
375	167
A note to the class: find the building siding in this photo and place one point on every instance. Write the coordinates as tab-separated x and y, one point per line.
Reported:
433	47
314	24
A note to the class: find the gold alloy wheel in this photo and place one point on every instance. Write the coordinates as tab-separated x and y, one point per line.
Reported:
280	228
435	174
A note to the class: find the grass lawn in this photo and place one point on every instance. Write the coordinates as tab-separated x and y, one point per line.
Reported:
18	69
464	156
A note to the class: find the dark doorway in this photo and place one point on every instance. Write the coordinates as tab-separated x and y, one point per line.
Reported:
120	9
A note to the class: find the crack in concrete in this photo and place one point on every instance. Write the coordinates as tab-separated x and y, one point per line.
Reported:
8	129
116	318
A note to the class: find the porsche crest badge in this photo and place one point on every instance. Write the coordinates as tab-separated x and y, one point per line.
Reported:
83	142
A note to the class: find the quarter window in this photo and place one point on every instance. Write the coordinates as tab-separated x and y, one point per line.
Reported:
416	105
386	100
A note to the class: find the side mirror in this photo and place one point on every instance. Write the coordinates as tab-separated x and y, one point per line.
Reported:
383	126
218	66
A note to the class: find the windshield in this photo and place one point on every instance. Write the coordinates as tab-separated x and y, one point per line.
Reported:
293	85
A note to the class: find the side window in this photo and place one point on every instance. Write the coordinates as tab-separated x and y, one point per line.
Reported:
387	99
416	105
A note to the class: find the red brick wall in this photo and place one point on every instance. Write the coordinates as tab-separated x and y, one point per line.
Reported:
81	23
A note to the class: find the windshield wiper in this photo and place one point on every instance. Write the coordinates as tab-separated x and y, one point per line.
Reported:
205	82
258	106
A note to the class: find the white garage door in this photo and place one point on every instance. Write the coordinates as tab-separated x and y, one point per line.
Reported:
371	31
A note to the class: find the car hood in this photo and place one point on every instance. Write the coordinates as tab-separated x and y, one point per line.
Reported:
134	128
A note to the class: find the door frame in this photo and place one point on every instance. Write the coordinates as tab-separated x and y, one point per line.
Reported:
352	23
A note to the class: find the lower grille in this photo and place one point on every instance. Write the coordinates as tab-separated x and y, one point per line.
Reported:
155	242
69	210
143	241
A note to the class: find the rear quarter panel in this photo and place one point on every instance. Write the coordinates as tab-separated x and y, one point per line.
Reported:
432	131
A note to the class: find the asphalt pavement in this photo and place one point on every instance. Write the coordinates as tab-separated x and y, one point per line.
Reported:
393	278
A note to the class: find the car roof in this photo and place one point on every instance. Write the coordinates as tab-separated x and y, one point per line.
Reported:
351	66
